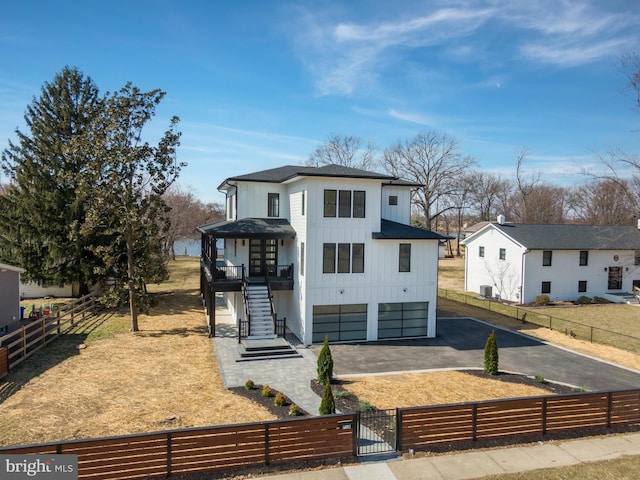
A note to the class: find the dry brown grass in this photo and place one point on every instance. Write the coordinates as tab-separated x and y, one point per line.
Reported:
165	376
432	388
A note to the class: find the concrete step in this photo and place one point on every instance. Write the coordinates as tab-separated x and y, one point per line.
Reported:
263	348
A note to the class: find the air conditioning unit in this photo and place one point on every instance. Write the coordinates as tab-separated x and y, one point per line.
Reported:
485	291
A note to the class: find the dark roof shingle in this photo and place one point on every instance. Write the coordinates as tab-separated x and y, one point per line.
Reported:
399	231
250	228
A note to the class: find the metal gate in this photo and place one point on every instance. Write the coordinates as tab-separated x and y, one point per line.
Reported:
377	431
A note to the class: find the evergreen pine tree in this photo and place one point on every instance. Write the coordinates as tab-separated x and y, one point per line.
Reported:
325	363
328	404
491	355
42	208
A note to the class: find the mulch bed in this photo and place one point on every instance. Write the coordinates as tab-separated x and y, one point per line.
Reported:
255	394
553	388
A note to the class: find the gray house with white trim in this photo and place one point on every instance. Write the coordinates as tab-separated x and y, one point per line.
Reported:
9	297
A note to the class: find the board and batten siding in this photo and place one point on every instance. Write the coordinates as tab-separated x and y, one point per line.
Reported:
400	213
253	197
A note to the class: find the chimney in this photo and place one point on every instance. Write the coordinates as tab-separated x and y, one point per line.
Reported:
501	220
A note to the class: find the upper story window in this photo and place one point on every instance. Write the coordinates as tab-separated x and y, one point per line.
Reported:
546	258
393	200
344	206
273	205
584	258
304	197
345	203
637	257
481	251
330	197
404	261
503	253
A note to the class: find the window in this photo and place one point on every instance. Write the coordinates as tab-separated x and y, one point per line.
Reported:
404	262
273	209
481	251
344	258
582	286
584	258
304	194
344	206
350	258
301	258
357	258
330	203
615	278
546	258
329	258
546	287
637	257
393	200
503	253
359	198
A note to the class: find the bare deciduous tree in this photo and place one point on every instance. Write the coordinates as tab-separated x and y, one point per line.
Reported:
345	150
433	160
603	202
486	193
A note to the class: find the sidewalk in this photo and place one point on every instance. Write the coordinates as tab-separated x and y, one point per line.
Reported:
479	464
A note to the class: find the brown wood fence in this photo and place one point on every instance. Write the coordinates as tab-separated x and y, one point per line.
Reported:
419	427
4	362
32	336
207	449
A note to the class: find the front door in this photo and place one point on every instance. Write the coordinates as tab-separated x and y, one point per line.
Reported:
263	256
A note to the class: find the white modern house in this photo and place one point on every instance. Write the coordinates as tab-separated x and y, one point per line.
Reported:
330	249
9	297
517	262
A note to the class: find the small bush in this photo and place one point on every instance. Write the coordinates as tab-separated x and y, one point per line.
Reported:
280	400
294	410
491	355
325	363
340	394
539	379
328	404
542	300
600	300
249	385
584	300
267	391
366	406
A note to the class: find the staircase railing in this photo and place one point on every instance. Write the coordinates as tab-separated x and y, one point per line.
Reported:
273	312
244	326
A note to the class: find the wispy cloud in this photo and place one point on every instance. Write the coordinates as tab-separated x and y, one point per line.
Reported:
345	55
414	117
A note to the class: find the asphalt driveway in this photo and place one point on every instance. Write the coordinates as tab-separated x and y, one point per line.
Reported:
460	344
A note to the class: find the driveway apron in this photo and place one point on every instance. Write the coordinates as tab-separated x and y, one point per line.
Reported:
459	344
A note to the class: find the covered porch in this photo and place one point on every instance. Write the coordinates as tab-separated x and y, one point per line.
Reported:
256	251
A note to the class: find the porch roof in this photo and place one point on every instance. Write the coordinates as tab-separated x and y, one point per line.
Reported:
399	231
250	228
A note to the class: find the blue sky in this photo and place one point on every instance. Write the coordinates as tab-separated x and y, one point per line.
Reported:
260	84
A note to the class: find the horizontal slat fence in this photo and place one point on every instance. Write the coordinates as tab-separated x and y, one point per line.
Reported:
421	427
4	362
206	449
31	337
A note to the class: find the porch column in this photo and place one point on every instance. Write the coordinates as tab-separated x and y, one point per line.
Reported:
212	314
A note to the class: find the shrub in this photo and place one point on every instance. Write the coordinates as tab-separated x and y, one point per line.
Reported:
267	391
340	394
280	400
325	363
491	355
539	379
542	300
249	385
294	410
366	406
328	404
584	300
600	300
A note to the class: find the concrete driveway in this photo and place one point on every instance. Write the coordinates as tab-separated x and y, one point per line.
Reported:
460	344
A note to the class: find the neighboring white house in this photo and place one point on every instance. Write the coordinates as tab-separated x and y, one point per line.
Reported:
517	262
9	297
33	290
336	247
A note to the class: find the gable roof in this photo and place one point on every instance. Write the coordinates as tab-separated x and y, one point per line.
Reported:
570	236
250	228
399	231
288	172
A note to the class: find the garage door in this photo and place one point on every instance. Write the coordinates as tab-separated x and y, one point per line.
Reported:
339	322
398	320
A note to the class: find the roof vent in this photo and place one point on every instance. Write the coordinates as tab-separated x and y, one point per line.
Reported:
501	219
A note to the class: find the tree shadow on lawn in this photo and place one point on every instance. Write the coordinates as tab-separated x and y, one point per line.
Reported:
177	302
65	346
